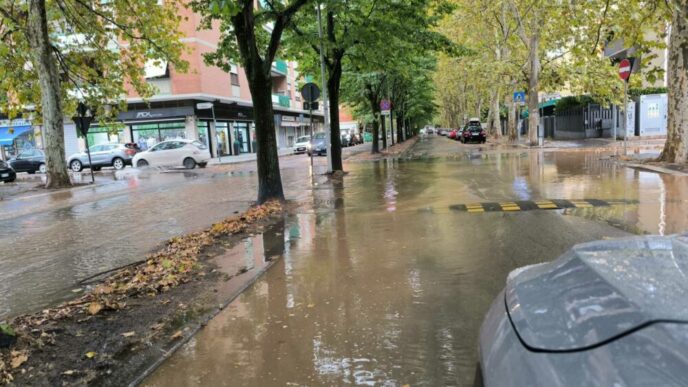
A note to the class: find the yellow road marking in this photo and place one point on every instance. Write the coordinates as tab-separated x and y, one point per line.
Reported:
511	208
546	206
581	204
476	209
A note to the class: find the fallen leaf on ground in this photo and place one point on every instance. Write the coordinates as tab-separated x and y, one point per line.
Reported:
157	326
69	372
176	335
90	355
18	358
94	308
311	305
128	334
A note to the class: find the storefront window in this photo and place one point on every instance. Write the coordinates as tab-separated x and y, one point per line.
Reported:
104	135
223	145
241	137
147	135
203	132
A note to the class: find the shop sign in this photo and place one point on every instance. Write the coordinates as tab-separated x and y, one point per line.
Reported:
154	114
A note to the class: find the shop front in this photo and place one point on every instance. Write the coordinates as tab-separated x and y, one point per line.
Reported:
16	135
151	126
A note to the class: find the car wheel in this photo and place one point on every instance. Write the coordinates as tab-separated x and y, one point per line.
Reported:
96	169
11	180
42	168
76	166
189	163
202	165
141	164
118	163
478	378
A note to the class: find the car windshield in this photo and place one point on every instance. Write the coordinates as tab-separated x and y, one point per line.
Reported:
303	139
199	145
319	136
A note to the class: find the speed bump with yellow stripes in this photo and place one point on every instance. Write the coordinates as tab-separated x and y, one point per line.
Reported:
529	205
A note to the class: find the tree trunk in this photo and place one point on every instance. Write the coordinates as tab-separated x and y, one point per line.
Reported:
269	177
511	119
496	118
676	146
51	103
400	128
333	85
533	79
375	148
383	119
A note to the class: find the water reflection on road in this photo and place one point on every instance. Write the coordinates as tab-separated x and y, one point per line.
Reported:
380	283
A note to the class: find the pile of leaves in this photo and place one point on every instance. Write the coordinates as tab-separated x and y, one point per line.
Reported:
177	262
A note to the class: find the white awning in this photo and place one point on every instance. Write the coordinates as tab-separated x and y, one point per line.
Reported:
155	68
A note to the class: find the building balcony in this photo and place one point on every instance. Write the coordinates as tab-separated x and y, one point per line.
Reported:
281	100
280	68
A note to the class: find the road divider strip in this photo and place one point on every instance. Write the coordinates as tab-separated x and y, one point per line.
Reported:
529	205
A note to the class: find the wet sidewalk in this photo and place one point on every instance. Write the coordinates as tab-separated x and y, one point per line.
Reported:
381	281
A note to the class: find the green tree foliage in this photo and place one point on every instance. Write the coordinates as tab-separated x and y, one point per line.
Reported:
365	36
54	53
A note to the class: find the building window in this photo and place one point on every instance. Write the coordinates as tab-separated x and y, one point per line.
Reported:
235	79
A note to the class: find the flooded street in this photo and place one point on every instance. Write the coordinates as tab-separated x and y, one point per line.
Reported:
385	277
53	240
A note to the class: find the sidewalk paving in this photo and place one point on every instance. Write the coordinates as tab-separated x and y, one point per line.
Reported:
246	157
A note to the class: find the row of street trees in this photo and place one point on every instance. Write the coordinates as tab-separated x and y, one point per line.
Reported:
56	53
538	45
363	39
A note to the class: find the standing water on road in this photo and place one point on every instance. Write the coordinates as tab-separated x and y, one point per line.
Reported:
381	282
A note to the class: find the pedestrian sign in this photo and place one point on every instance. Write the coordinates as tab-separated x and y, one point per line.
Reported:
519	96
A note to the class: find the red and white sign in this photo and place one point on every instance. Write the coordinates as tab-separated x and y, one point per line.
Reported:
625	67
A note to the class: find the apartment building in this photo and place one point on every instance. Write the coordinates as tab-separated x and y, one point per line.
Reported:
173	112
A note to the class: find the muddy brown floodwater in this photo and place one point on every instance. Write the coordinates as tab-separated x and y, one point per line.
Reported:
381	282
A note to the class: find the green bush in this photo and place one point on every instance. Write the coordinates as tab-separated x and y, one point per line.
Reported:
635	92
573	102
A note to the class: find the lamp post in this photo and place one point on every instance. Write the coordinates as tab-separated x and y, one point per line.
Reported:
82	120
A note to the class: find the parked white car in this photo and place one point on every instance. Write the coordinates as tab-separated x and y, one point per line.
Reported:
301	145
174	153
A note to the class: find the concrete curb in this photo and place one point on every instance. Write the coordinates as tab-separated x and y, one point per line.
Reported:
653	168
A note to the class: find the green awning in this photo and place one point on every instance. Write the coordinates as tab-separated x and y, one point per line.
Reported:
542	105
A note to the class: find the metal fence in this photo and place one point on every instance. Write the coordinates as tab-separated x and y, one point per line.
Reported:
588	121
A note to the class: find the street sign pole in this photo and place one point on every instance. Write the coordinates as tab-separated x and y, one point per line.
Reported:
310	144
328	134
625	121
90	163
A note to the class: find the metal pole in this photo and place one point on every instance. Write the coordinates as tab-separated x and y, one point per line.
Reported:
210	140
88	152
625	118
310	151
328	135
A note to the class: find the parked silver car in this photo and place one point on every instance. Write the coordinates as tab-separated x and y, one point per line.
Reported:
609	313
104	155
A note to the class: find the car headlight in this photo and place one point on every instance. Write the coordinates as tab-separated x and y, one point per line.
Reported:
308	146
3	164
